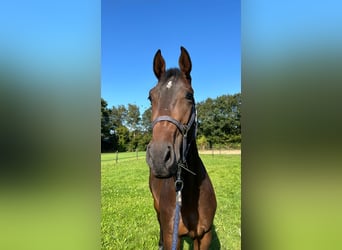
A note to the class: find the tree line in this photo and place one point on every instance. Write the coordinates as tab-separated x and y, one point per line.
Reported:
124	128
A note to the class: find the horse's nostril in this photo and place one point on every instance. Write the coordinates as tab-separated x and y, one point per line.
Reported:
168	154
168	157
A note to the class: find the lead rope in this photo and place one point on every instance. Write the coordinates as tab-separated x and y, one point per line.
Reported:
179	186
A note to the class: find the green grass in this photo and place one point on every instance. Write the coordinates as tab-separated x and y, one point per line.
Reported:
128	217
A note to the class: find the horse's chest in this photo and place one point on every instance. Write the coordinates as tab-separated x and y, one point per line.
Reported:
183	230
191	226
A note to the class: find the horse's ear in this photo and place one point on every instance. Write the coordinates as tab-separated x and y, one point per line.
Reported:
158	64
185	62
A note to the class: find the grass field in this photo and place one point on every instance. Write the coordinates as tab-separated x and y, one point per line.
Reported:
128	217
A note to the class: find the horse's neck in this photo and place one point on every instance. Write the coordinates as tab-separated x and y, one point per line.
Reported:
195	164
190	194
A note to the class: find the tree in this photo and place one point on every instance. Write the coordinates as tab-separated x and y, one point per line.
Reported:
202	142
118	115
219	119
104	118
122	134
133	124
107	140
133	117
146	123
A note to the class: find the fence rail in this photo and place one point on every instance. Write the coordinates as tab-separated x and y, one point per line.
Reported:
122	156
220	151
139	155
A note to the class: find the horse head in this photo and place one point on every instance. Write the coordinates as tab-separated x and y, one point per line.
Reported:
173	115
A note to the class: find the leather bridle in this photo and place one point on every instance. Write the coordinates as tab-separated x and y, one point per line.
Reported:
184	129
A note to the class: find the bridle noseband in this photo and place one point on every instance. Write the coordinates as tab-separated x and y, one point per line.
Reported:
184	129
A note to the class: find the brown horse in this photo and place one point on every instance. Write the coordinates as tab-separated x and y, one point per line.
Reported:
172	153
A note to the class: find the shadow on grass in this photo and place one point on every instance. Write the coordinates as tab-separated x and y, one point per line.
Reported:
214	245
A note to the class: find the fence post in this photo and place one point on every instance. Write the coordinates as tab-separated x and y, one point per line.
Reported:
136	153
117	156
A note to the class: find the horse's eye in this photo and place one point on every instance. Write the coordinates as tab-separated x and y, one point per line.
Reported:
189	96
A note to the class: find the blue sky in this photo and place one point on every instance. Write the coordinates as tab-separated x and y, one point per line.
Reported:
132	31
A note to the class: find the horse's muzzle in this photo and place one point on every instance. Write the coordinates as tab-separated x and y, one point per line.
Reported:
161	158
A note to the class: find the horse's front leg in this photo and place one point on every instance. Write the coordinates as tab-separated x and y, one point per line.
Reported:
204	242
167	238
161	242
